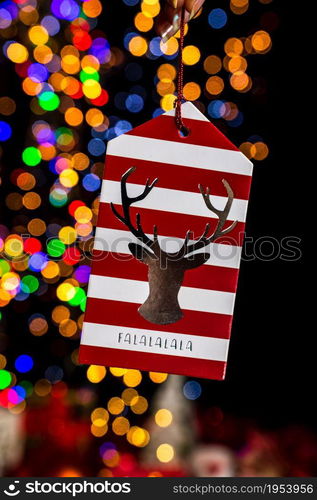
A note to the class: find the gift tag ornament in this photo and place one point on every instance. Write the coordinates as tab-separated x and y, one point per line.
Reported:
167	249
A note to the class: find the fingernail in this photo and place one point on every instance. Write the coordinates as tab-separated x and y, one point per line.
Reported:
171	29
193	11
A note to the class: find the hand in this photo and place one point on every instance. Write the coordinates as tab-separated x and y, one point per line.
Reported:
168	21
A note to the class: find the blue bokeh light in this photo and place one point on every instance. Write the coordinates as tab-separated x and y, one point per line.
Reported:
217	18
24	363
5	131
134	103
192	389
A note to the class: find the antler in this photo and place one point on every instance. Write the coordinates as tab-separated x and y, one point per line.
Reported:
153	243
127	202
222	218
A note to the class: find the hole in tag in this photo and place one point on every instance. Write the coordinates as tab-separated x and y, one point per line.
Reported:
184	131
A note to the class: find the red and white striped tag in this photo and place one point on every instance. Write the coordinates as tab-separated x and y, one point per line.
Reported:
114	332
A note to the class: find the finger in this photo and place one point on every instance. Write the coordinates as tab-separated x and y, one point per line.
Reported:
168	21
193	6
176	4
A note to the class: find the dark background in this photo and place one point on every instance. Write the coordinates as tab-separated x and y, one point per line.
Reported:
271	368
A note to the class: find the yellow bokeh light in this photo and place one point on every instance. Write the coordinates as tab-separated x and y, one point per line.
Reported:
94	117
150	9
31	200
191	55
118	372
5	297
67	327
165	453
74	116
99	416
67	235
191	91
98	431
158	377
132	378
115	405
30	87
36	227
240	81
164	88
13	246
138	437
128	395
233	47
96	374
92	8
17	53
166	73
43	54
83	215
163	417
215	85
3	361
38	35
90	64
68	177
91	89
259	150
80	161
47	150
261	41
65	292
70	64
142	22
237	63
120	426
212	64
10	281
167	102
138	46
170	47
139	405
60	313
28	15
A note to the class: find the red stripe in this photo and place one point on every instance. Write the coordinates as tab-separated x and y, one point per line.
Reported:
169	224
126	266
177	176
202	133
152	362
112	312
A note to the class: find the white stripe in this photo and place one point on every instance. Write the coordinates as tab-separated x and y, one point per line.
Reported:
115	240
172	200
136	292
189	111
97	335
178	153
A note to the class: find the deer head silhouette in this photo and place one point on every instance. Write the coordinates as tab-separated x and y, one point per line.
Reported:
165	269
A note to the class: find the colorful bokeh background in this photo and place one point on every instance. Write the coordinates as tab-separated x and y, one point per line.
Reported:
74	75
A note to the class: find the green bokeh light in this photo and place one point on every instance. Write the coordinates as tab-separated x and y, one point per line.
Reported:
49	101
55	248
29	284
4	267
31	156
78	298
5	379
89	75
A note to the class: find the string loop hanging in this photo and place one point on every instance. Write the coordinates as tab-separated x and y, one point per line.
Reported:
180	80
